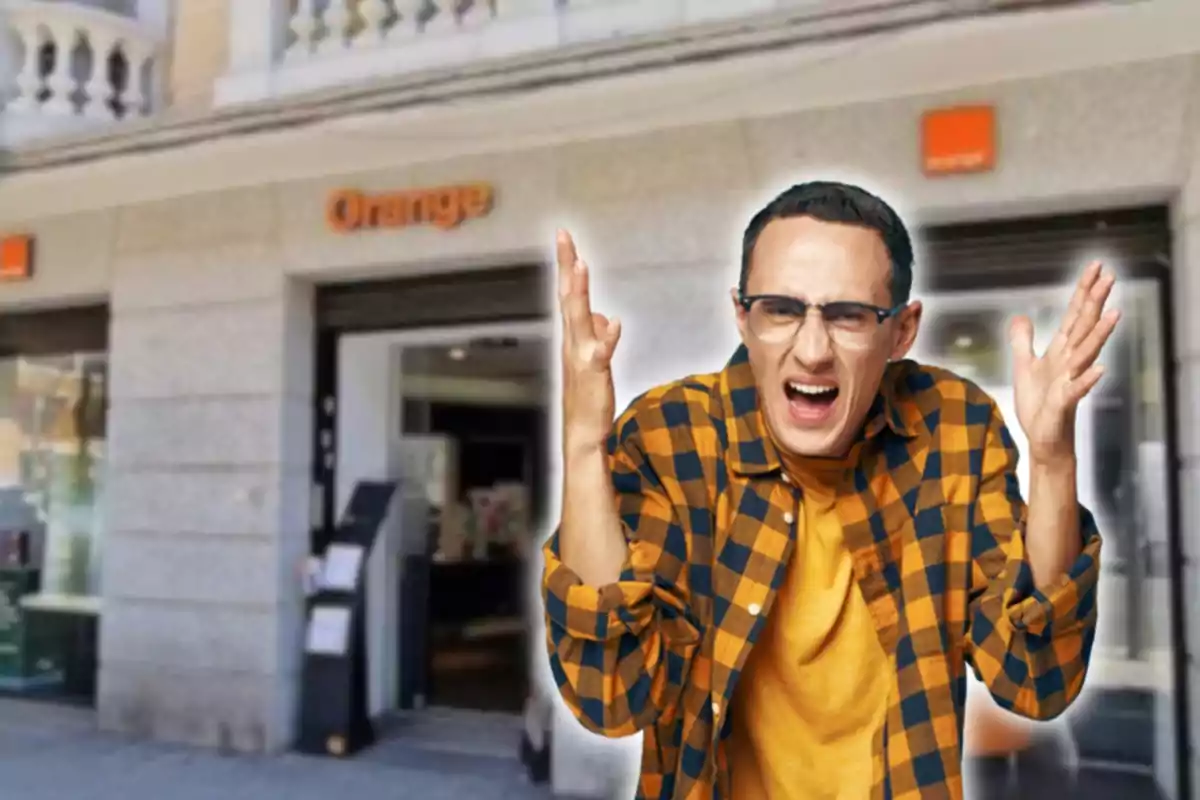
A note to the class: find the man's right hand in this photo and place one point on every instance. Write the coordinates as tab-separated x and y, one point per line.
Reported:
591	540
589	340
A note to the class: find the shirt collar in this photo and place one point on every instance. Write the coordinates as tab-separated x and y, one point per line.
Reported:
751	451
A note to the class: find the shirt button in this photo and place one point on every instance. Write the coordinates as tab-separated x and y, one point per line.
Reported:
788	518
754	608
716	707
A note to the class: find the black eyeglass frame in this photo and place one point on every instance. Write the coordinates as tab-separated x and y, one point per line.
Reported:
802	306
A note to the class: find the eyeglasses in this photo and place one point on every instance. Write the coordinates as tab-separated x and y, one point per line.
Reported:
776	319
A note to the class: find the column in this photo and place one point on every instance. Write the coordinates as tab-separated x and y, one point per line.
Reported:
208	502
257	32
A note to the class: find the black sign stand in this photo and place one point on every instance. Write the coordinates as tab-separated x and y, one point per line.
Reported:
334	719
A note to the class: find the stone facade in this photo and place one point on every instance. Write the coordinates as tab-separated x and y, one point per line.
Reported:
210	381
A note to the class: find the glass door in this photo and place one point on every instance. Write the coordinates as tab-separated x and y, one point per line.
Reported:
1126	717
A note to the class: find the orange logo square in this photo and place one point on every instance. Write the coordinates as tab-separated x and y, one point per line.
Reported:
16	257
958	140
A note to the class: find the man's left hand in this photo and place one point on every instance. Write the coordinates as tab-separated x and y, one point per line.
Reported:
1048	388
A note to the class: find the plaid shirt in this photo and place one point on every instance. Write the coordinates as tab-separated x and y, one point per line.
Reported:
932	516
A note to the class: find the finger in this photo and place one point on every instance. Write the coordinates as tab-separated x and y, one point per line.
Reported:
1082	287
564	295
597	328
1086	353
1093	306
566	257
1078	389
1020	336
565	252
607	341
577	306
599	324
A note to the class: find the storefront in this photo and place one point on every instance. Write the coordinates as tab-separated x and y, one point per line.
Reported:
247	284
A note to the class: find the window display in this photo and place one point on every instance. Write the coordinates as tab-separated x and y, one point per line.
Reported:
52	439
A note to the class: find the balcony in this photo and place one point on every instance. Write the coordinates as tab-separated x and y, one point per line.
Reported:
286	47
73	67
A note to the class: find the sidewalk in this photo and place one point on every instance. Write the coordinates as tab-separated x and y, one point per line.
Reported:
51	753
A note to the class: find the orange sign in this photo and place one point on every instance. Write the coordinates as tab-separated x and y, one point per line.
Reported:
16	258
957	140
445	207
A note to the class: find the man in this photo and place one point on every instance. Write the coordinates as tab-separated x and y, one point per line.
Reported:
780	572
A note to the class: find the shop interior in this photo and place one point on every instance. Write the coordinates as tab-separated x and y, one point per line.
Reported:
459	419
483	404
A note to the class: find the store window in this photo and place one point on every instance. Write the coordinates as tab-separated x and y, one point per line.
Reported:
53	410
52	433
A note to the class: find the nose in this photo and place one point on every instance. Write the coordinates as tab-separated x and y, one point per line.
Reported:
812	346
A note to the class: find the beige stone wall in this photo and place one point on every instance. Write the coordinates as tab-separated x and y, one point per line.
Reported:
208	487
200	51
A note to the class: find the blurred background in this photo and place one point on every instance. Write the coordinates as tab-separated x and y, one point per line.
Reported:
255	252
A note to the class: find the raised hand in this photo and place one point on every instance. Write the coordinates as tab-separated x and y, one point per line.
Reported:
589	340
1048	388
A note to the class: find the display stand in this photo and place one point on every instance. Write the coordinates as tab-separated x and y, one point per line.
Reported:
333	708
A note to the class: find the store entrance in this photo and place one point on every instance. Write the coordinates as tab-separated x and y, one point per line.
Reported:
454	411
474	428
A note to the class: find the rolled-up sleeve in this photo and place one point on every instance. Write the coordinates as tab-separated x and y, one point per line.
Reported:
620	653
1030	647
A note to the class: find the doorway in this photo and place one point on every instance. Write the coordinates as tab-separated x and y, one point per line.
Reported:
439	383
481	405
457	416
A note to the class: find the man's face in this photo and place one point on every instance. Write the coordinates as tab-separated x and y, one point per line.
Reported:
817	386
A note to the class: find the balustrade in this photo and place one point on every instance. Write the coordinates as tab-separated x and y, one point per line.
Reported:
72	67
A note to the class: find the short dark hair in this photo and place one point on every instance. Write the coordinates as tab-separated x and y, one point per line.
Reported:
830	201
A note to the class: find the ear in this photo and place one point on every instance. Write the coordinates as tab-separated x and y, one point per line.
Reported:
908	322
739	314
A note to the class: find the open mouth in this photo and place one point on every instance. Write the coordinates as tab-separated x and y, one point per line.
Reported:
810	402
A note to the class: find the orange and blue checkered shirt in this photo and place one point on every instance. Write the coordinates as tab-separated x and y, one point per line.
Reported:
933	518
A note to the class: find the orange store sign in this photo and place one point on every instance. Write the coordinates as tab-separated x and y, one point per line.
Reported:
957	140
445	207
16	257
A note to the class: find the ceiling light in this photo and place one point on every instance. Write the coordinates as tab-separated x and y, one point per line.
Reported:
457	354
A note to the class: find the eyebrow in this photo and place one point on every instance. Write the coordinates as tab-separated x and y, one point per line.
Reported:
830	299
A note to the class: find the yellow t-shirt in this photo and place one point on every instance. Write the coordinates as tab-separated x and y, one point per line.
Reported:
814	691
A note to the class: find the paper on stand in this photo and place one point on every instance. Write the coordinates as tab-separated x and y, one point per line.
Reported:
328	631
342	565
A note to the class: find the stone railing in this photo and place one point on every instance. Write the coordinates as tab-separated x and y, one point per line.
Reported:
67	67
284	47
318	29
304	45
